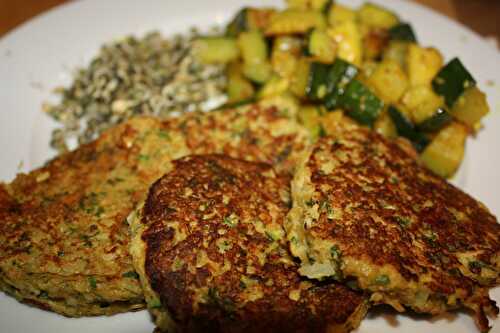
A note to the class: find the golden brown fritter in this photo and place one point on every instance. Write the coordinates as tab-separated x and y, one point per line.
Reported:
364	208
210	247
63	232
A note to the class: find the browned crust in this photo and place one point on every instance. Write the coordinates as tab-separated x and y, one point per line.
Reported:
396	213
227	187
255	141
396	180
53	218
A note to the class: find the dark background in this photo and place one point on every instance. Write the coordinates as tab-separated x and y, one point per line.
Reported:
483	16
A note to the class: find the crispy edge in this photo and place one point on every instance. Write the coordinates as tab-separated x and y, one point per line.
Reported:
138	247
303	189
162	316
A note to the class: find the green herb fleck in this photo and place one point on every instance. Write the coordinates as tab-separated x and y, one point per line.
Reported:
99	211
90	204
243	285
47	201
86	240
214	298
154	303
92	282
131	275
284	113
430	237
231	220
330	213
403	221
43	294
269	236
183	126
213	295
115	180
476	265
311	259
178	263
224	246
394	180
143	157
322	132
335	253
310	202
455	272
451	247
164	135
335	144
382	280
353	284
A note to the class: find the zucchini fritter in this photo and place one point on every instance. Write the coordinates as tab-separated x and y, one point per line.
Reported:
363	208
211	250
63	232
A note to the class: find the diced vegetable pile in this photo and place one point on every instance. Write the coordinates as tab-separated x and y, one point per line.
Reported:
365	63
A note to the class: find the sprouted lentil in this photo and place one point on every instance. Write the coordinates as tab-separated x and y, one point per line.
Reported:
133	76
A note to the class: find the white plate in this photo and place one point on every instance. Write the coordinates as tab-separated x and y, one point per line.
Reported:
40	55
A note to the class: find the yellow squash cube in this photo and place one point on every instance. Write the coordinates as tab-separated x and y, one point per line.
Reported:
349	44
423	64
446	151
389	81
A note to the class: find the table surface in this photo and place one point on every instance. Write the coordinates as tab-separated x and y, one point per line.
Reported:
480	15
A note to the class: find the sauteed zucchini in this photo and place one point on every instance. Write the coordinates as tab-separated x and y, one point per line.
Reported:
364	62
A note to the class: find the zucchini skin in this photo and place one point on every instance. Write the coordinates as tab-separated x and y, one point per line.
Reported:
238	24
344	82
405	128
452	80
307	45
316	88
340	74
327	7
403	32
335	86
361	104
437	121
